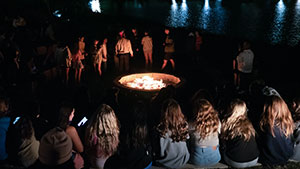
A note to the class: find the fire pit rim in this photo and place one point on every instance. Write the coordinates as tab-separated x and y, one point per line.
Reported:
116	82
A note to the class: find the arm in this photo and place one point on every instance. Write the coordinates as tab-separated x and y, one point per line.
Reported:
130	48
104	51
77	144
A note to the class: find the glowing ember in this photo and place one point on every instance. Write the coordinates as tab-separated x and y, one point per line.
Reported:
146	83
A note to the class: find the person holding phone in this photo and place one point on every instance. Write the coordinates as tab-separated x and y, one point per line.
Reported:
66	114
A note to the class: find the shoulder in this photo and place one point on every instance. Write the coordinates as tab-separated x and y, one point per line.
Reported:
71	129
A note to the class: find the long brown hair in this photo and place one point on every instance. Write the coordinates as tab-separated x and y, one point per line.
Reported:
277	113
236	122
206	118
103	131
172	119
64	113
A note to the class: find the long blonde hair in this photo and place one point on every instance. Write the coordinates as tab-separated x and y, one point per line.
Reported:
206	118
277	113
236	122
103	131
172	119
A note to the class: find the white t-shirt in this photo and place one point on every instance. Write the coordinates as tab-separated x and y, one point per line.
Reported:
245	61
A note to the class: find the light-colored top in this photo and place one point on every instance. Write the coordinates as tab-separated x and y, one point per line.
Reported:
123	46
211	140
81	46
29	151
103	52
173	154
245	61
147	43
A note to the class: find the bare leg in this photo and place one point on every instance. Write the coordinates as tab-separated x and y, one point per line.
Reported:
117	62
150	58
99	68
67	75
146	59
95	67
79	75
76	75
173	63
164	64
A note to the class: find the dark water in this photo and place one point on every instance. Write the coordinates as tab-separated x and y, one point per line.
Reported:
271	21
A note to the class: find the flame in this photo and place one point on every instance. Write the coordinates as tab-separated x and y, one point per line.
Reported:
146	83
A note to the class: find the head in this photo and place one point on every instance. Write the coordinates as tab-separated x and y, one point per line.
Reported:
276	113
146	33
137	131
246	45
55	148
206	118
81	38
167	31
121	33
105	40
173	120
236	122
66	114
202	94
96	41
133	30
103	130
24	128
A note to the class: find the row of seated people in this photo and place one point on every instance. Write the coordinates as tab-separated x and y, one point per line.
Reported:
203	140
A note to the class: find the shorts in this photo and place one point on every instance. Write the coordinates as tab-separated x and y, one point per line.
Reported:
168	56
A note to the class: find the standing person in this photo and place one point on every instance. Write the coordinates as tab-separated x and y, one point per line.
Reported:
276	129
198	46
147	48
243	66
116	58
95	56
136	47
77	63
204	130
190	47
81	45
123	50
103	54
102	136
169	50
171	137
63	57
238	137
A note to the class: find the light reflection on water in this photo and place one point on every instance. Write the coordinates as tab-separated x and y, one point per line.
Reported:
95	6
277	26
294	33
178	15
268	20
